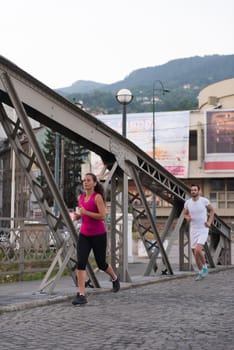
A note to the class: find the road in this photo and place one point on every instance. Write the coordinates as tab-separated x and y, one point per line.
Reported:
173	314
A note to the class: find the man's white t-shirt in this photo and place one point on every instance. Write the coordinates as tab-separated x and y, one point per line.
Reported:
198	212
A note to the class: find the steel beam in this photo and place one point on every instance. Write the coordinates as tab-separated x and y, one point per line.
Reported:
26	164
30	98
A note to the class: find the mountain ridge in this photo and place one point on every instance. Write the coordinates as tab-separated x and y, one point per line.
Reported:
175	69
184	78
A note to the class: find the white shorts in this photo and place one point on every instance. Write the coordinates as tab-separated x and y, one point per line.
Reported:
199	237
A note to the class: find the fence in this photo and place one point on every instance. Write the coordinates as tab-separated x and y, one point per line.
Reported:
26	249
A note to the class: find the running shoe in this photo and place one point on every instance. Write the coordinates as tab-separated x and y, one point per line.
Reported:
79	300
199	277
204	271
116	285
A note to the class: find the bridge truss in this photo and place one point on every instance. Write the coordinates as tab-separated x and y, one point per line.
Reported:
122	160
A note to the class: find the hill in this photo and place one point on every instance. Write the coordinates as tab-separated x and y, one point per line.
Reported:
80	86
184	78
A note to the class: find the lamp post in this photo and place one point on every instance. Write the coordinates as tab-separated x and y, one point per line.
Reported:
163	91
124	97
56	167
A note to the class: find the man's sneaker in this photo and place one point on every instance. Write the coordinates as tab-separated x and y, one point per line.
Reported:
199	277
79	300
204	271
116	285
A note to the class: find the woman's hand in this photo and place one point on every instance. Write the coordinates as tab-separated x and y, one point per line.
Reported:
82	211
73	216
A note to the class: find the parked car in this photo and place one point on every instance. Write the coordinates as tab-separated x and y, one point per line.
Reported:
4	235
65	235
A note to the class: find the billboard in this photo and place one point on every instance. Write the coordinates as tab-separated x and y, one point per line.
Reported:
219	140
171	137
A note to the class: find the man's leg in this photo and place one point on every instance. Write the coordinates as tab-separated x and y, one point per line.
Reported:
199	256
200	261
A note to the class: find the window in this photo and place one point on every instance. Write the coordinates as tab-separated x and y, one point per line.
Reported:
217	185
232	226
230	184
193	145
222	193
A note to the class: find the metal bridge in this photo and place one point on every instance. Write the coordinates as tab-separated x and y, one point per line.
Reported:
122	160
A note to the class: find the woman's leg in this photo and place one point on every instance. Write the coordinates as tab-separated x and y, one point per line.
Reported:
99	244
83	250
111	273
81	278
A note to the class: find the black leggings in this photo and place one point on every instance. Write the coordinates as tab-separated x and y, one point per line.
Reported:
98	243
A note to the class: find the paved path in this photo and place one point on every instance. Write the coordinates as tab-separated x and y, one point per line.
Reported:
177	313
22	295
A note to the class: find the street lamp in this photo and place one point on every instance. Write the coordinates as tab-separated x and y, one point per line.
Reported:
56	168
79	103
124	96
162	90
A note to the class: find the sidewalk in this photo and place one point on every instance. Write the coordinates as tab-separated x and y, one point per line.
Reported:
24	295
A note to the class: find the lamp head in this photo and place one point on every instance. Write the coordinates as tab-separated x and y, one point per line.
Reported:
124	96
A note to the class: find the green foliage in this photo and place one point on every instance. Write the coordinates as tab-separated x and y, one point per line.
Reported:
97	102
73	156
183	77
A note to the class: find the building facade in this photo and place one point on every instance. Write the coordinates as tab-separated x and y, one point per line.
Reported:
196	146
211	147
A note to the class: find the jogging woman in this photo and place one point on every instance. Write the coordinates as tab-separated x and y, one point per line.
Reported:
92	235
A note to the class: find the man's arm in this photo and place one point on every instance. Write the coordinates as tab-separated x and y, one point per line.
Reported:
211	215
187	215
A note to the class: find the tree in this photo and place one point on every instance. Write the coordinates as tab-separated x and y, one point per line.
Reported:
73	156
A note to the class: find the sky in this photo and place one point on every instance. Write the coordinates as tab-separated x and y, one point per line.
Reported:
61	41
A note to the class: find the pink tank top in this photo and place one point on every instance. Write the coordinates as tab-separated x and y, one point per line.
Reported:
90	226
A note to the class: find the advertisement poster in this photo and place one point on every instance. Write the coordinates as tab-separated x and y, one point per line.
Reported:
171	137
219	140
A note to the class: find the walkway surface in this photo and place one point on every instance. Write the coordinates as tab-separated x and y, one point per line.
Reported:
156	312
23	295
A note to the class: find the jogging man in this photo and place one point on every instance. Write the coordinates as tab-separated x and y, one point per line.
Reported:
196	212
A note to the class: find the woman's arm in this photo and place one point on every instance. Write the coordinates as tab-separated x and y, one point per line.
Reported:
101	215
75	216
